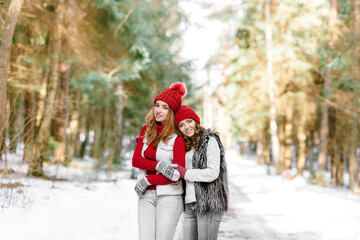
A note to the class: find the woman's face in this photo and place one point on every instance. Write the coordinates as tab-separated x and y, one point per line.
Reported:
187	127
161	111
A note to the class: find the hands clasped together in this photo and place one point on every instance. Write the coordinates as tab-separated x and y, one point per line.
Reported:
172	172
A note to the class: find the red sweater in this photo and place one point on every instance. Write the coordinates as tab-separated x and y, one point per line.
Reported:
149	162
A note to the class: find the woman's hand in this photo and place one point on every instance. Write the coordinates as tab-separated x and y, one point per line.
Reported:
141	186
181	171
137	138
168	170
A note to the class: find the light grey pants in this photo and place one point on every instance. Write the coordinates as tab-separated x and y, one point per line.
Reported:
200	226
158	216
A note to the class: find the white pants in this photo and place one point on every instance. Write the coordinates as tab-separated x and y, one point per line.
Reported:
158	215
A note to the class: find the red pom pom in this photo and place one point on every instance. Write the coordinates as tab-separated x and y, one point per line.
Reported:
179	87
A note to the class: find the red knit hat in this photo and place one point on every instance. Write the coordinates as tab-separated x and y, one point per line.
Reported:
173	95
185	112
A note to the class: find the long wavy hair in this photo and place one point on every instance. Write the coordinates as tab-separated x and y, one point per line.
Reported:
151	127
194	140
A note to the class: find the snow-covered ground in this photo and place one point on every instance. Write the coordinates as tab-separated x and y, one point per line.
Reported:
278	208
94	206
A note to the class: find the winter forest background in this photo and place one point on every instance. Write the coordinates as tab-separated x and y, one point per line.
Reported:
280	82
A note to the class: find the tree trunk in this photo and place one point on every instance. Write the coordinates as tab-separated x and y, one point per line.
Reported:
5	144
337	162
29	115
20	118
5	52
311	152
289	123
325	115
281	136
15	112
105	128
117	144
324	132
96	126
335	159
353	164
86	132
333	143
112	153
266	151
208	110
273	126
336	169
13	132
259	150
222	125
42	95
29	121
61	118
301	136
74	127
40	144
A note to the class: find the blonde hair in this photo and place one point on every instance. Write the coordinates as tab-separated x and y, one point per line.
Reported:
151	127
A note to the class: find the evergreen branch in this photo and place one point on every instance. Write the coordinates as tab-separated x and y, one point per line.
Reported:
112	72
353	114
308	58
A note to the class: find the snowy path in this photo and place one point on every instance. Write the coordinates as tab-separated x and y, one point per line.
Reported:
271	208
261	208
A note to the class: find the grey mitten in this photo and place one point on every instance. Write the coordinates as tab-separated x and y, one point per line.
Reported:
168	170
141	186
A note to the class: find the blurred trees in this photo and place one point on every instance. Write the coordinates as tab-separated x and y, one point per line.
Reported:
5	51
82	75
315	54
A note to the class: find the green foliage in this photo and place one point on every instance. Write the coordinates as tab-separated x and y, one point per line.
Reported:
95	88
147	65
39	40
318	178
106	44
226	14
315	66
52	144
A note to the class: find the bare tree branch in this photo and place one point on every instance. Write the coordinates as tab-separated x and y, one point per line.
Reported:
124	20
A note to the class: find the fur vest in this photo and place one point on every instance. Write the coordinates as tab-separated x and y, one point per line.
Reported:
213	196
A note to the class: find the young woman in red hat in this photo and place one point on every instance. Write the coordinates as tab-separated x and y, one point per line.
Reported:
160	199
206	177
